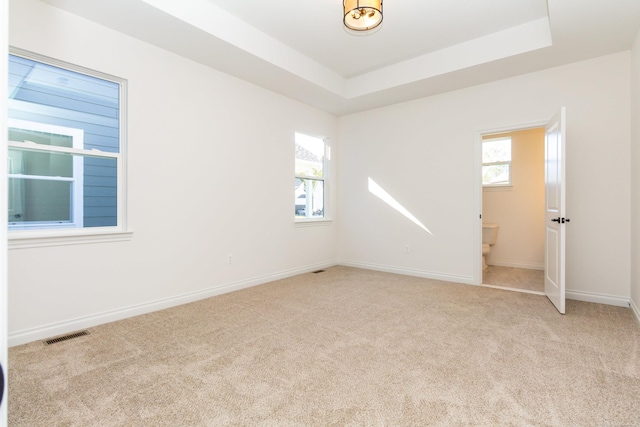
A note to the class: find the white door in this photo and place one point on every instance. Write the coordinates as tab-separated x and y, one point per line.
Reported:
555	220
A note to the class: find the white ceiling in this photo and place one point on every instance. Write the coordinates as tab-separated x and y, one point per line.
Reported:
410	28
300	49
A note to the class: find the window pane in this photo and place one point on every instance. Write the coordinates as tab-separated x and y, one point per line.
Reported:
309	156
100	193
58	107
87	188
34	200
52	95
42	187
309	198
496	150
44	138
40	163
495	174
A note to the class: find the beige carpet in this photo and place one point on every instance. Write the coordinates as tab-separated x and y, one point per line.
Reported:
343	347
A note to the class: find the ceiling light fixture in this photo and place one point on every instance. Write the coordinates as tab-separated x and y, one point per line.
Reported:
362	15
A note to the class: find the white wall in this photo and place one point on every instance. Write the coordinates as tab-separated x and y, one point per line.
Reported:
519	209
422	153
189	207
635	182
210	162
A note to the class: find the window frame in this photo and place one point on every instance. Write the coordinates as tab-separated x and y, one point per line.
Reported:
509	162
25	238
325	218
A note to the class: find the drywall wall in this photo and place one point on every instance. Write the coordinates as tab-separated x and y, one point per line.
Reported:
230	133
210	173
519	209
635	179
422	154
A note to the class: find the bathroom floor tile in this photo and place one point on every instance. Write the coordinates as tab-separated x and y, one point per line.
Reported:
516	278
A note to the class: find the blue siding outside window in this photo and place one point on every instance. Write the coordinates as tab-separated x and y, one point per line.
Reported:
51	95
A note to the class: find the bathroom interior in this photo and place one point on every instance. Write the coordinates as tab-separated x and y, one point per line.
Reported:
513	217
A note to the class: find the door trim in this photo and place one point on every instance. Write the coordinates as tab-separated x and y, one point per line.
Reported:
477	182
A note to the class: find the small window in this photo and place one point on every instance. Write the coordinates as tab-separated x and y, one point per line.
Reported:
496	161
310	175
65	138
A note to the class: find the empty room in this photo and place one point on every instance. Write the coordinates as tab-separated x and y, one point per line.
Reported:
287	213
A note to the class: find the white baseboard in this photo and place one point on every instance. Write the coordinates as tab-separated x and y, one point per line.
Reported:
597	298
52	330
635	310
515	264
467	280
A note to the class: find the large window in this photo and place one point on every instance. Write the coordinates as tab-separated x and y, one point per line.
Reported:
65	132
310	174
496	161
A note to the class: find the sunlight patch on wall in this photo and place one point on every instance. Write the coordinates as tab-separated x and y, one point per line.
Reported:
379	192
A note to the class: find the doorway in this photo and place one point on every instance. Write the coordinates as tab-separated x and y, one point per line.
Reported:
512	198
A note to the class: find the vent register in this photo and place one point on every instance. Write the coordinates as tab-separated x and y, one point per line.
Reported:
65	337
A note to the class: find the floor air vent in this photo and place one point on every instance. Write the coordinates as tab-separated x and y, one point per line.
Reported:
319	271
66	337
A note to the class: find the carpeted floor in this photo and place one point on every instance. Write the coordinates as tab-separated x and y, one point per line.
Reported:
343	347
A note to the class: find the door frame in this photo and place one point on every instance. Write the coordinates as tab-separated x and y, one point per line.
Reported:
477	182
4	53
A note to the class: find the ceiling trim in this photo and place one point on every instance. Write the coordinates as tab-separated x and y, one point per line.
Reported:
200	30
502	44
208	17
217	22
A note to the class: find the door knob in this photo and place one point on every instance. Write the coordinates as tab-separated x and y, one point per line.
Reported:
556	220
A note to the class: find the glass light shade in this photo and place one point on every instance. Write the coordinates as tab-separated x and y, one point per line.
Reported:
362	15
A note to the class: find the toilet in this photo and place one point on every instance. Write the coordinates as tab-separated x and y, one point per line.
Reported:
489	236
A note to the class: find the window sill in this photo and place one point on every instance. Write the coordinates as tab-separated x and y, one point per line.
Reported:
24	240
498	188
312	222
